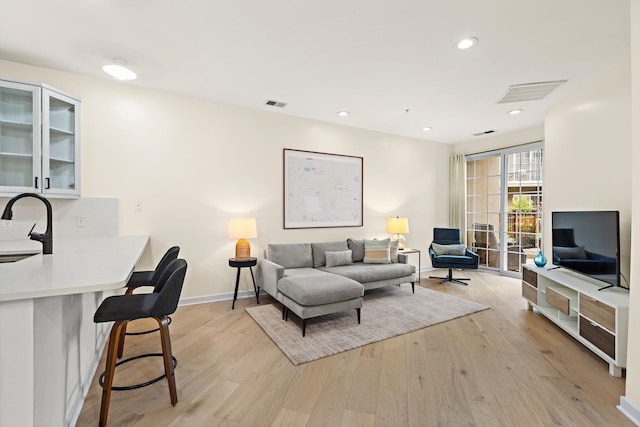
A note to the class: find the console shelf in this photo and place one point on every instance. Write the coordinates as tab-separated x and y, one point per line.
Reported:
597	319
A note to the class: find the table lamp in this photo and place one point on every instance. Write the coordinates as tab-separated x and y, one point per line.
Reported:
243	229
398	226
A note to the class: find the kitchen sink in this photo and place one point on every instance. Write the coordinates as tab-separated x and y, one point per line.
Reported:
14	257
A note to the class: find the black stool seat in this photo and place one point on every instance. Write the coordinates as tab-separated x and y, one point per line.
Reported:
137	306
157	305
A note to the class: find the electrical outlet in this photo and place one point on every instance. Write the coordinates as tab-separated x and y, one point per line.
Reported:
139	206
81	221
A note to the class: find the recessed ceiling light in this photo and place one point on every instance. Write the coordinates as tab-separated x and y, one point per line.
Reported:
426	129
466	43
515	112
343	113
119	70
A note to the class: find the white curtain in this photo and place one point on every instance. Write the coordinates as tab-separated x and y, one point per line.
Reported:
458	194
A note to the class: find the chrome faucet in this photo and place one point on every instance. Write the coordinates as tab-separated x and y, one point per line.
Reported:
45	238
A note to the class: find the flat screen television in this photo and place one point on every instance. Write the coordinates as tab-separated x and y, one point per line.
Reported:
588	242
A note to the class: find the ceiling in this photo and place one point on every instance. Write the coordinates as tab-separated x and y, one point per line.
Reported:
393	65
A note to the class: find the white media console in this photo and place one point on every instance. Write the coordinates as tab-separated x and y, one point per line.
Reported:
597	319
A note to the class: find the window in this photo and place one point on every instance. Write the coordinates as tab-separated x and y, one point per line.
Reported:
504	206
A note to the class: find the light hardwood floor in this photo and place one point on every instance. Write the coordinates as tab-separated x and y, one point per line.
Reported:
507	366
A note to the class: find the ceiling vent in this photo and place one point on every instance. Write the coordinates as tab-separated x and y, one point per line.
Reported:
530	91
486	132
273	103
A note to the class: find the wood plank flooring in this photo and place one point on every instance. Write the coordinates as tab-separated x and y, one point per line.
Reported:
507	366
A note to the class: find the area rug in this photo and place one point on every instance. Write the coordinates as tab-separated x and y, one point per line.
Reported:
386	312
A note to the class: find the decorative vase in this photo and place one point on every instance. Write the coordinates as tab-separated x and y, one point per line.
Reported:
540	260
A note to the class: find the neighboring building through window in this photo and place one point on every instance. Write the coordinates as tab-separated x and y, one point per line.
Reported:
504	206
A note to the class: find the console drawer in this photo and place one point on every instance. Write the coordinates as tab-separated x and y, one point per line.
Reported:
598	336
557	300
529	292
599	312
530	276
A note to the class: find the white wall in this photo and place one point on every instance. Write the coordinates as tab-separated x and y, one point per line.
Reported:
633	353
193	164
587	163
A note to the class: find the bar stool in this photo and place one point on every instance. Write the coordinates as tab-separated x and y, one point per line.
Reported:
150	278
157	305
147	278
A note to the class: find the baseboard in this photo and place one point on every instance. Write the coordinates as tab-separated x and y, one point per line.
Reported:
215	298
630	410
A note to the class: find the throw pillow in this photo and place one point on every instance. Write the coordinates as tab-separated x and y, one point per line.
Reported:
377	251
318	250
393	251
335	259
458	250
357	247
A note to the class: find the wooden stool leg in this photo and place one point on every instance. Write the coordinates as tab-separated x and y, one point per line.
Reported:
121	342
112	351
168	358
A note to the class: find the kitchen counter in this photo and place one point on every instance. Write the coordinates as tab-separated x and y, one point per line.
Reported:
78	265
50	345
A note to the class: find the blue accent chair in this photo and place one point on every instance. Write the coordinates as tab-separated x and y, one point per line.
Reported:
451	236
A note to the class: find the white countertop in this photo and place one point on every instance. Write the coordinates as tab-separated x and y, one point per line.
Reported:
77	265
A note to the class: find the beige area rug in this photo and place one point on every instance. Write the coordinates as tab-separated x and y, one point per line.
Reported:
386	312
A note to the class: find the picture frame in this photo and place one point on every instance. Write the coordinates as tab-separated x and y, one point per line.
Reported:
322	189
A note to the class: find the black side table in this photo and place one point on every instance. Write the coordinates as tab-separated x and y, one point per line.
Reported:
239	263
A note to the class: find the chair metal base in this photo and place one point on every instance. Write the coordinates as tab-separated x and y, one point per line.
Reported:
450	278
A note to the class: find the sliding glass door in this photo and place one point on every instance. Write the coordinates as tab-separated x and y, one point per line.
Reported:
504	206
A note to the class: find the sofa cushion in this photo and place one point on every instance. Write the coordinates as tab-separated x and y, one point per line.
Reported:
318	289
363	273
449	249
338	258
301	271
290	255
377	251
357	247
318	250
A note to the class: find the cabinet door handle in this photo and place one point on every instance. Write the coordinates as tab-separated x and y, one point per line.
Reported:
48	183
36	183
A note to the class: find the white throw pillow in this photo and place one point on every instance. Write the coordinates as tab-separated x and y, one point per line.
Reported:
377	251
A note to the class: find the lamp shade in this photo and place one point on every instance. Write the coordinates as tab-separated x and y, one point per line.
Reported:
397	225
242	228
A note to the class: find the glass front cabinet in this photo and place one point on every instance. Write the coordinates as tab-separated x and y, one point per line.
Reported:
39	140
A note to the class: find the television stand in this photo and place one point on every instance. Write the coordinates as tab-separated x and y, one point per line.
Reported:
598	320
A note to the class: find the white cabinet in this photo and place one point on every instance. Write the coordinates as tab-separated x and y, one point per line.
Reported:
597	319
39	140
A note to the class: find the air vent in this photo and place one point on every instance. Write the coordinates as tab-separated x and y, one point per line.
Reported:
273	103
486	132
530	91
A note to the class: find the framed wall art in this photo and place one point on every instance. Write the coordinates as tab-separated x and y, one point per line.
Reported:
322	189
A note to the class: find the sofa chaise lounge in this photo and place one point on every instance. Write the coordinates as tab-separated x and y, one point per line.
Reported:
315	279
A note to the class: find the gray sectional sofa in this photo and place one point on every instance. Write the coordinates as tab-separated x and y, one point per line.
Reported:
314	279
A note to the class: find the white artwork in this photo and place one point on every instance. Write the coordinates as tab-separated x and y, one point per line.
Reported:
322	190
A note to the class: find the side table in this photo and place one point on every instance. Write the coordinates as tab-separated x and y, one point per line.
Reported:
239	263
413	251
